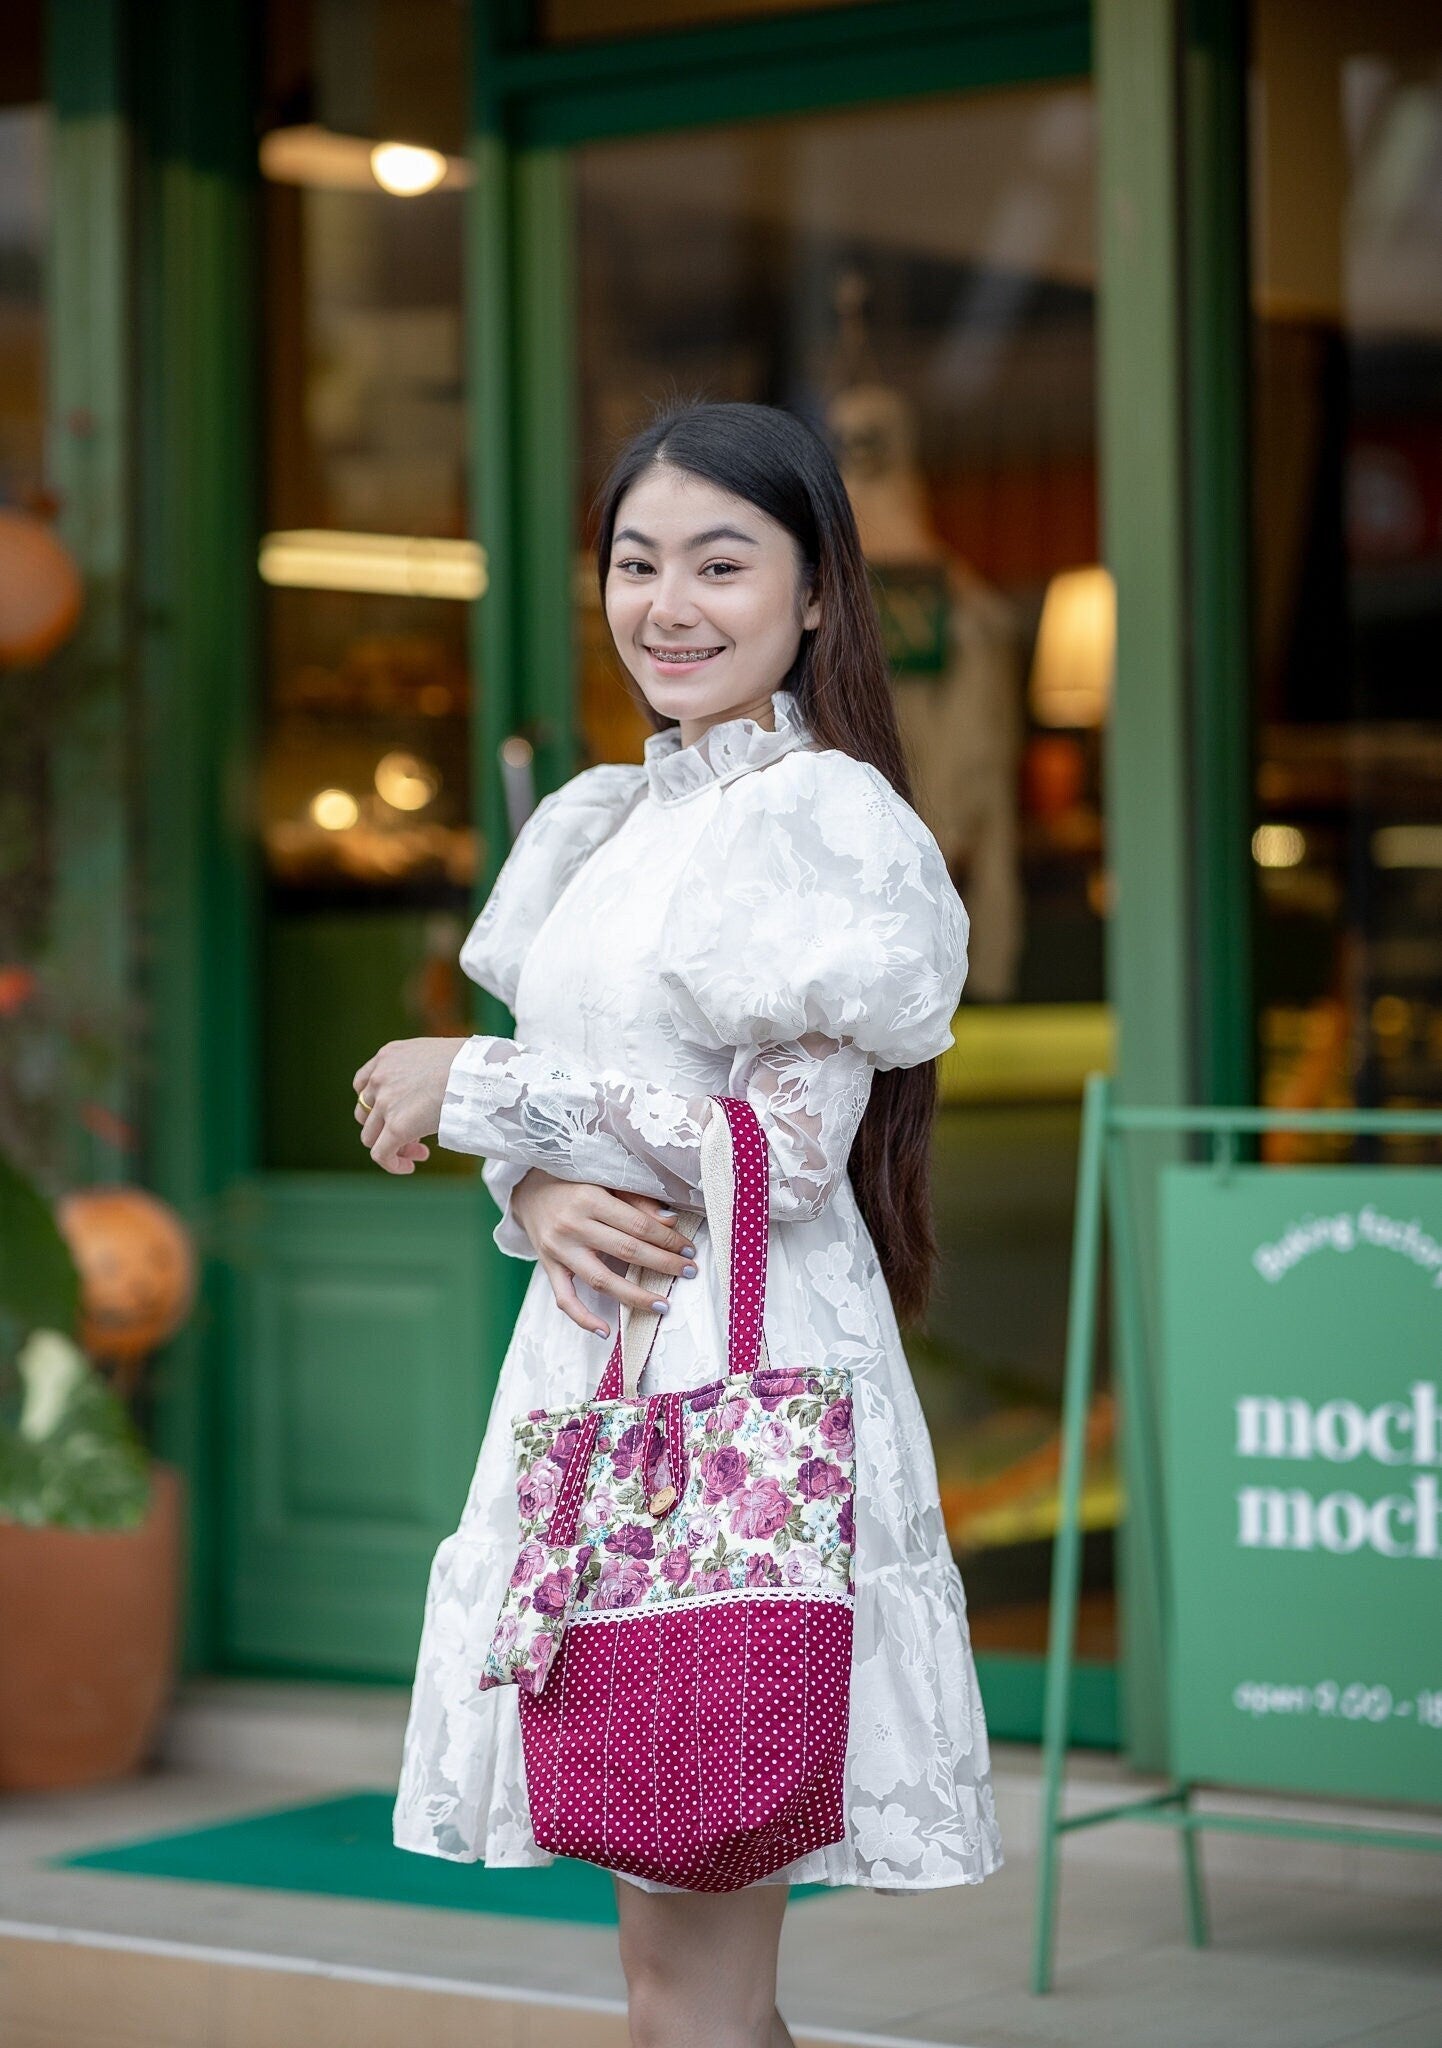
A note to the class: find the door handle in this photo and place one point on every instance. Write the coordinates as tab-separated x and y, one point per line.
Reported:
518	779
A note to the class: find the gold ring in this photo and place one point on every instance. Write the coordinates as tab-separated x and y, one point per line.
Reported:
366	1105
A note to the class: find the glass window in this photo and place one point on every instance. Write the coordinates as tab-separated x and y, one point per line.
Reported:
1347	266
368	841
916	279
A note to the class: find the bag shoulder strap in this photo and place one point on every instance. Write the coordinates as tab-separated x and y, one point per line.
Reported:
736	1191
737	1194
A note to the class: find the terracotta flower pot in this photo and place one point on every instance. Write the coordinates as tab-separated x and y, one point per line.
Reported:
88	1624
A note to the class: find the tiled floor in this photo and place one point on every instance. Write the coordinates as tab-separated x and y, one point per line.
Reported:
1313	1948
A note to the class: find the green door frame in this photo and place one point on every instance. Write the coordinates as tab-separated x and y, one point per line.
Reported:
1173	318
149	318
191	70
1141	435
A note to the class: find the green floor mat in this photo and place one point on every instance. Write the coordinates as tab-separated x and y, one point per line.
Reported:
342	1847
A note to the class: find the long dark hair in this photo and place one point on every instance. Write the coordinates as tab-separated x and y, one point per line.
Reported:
842	683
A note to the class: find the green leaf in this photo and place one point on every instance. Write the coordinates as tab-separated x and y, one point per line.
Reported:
79	1462
39	1284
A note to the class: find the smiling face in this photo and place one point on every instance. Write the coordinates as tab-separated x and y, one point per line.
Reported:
704	599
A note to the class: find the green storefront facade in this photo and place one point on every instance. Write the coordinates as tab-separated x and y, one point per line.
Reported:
1061	214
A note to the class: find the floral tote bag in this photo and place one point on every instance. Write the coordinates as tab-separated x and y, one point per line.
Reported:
679	1619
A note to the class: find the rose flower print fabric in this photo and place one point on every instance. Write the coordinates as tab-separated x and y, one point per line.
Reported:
768	1507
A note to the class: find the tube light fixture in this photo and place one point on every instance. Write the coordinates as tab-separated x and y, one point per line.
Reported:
386	564
1407	846
308	154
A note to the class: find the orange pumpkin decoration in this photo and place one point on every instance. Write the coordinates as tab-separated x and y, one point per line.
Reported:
40	590
137	1271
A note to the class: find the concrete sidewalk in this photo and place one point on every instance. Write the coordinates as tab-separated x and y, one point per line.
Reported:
1314	1946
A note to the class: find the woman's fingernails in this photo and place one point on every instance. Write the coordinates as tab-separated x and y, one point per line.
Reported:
688	1272
662	1308
689	1250
667	1215
603	1331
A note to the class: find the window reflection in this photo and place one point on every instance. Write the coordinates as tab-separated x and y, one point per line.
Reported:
916	280
1347	144
369	844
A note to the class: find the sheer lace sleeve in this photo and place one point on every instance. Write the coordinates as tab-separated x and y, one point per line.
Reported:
817	937
522	1109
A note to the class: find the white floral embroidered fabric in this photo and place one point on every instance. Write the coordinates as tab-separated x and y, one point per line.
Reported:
749	915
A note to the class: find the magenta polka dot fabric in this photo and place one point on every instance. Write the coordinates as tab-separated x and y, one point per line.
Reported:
701	1747
679	1619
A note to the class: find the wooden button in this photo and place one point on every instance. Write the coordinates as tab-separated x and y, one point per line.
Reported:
664	1497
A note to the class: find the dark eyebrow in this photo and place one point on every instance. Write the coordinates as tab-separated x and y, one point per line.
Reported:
697	540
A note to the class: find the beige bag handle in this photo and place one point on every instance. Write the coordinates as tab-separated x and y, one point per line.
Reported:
718	1191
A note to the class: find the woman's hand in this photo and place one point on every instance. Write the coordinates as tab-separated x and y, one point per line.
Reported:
575	1226
404	1085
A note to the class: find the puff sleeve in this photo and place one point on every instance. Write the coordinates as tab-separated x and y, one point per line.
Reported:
816	937
818	901
562	831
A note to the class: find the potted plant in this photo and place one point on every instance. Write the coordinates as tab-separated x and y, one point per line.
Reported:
90	1526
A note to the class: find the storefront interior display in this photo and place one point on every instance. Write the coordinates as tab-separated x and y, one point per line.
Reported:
368	838
1347	404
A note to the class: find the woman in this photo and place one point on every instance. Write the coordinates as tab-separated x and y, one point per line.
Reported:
755	910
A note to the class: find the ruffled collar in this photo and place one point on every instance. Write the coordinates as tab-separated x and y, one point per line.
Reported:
723	751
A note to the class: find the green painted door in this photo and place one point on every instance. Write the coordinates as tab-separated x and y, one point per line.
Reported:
361	1389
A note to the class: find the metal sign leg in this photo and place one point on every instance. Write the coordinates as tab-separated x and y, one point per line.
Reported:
1066	1561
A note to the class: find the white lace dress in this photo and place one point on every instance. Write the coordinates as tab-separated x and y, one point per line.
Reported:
755	916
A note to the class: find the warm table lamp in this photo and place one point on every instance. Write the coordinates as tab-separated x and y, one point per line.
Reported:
1071	669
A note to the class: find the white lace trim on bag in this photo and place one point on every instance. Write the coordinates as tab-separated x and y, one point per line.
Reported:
684	1606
